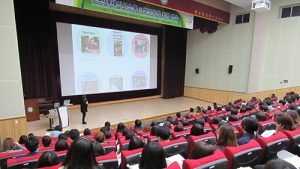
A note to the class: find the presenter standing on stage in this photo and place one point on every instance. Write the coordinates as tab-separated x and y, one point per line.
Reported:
83	108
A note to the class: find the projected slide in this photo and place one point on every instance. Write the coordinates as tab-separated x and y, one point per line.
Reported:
98	60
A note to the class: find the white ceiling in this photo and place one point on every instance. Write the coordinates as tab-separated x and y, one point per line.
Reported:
241	3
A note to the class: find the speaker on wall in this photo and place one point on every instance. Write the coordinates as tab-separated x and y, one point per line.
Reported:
230	69
197	70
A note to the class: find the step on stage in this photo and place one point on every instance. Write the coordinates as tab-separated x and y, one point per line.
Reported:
97	115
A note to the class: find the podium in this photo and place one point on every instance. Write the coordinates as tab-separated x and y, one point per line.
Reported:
63	116
32	109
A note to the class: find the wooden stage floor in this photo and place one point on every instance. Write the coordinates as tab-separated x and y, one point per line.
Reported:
120	112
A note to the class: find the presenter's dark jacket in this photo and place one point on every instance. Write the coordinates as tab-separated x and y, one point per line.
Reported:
83	105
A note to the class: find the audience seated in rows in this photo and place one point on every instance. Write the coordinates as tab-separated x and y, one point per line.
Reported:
10	146
32	145
250	127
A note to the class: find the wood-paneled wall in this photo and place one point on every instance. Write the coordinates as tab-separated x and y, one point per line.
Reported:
223	97
13	127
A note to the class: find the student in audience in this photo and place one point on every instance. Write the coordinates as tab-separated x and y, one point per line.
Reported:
61	145
138	125
260	116
225	137
154	130
57	130
107	134
120	128
201	149
74	134
232	118
32	145
250	127
129	135
99	137
276	164
10	146
197	130
23	139
86	132
184	122
62	136
153	157
178	128
170	119
284	122
178	117
234	112
215	120
30	134
80	155
147	129
67	133
163	133
295	117
107	124
46	140
168	124
98	149
135	143
47	159
200	121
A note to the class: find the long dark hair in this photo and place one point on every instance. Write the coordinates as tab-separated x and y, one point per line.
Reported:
81	155
226	136
48	158
153	157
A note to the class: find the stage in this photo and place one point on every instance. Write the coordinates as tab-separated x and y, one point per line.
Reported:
97	115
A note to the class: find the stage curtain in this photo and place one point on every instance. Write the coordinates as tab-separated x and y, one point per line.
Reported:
174	62
36	36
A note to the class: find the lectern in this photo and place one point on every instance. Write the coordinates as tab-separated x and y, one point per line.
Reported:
32	109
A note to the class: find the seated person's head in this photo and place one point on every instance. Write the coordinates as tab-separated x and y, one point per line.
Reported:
129	135
232	118
227	108
163	133
293	107
80	155
62	136
154	130
208	107
74	134
46	140
283	102
67	133
226	136
153	157
234	112
197	130
284	122
107	124
32	144
61	145
147	129
201	149
30	134
121	127
243	110
191	110
167	124
260	116
138	123
105	128
200	121
153	123
86	132
294	115
178	128
185	123
47	159
125	131
170	119
107	134
263	108
23	139
8	144
99	137
215	120
98	149
178	114
58	128
135	143
250	125
221	123
276	164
